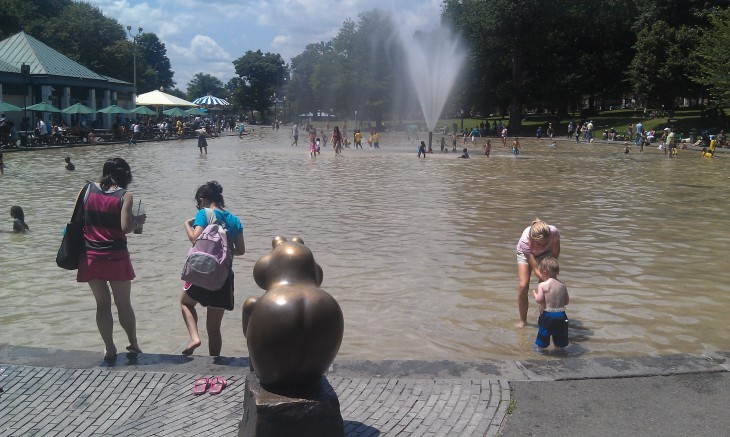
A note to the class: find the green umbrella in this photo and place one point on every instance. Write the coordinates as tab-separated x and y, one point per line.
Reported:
7	107
78	108
42	107
175	112
114	109
143	110
195	111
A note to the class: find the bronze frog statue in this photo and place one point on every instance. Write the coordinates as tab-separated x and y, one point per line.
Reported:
295	329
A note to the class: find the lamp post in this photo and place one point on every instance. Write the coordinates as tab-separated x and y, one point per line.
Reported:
275	107
134	56
462	120
355	119
25	72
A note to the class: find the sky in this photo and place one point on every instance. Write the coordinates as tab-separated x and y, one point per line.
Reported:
206	36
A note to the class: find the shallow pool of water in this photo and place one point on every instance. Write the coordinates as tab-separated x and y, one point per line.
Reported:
419	253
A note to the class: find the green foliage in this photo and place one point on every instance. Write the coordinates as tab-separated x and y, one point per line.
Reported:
177	93
202	84
546	54
355	71
13	13
714	58
661	69
262	75
155	65
80	31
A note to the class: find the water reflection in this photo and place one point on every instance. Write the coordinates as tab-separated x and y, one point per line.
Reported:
419	253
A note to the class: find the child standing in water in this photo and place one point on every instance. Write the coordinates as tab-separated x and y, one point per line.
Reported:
516	146
18	216
552	296
422	149
488	147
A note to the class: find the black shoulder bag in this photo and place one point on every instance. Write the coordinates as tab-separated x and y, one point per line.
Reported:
72	245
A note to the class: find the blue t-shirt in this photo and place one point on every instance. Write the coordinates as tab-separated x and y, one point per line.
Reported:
232	223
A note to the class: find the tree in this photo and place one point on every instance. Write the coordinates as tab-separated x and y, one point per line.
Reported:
262	74
13	13
506	36
82	32
714	59
156	70
660	72
355	71
202	84
301	90
232	90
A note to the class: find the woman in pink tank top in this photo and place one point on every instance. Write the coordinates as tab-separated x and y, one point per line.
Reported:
105	265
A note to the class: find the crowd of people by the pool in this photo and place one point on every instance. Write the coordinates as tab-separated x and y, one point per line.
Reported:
124	128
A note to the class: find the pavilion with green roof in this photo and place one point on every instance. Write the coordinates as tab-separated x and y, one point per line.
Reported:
32	72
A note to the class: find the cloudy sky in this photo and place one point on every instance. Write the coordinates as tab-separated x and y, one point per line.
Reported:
207	35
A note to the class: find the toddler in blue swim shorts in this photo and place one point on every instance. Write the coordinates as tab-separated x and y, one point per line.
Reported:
552	296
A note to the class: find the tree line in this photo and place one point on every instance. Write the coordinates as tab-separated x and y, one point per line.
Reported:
82	32
555	55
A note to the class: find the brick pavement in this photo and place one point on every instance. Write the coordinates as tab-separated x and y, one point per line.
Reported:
52	401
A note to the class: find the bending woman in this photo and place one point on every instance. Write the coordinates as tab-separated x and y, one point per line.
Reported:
210	196
537	241
106	263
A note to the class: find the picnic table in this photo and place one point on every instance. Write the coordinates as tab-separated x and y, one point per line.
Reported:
70	137
104	135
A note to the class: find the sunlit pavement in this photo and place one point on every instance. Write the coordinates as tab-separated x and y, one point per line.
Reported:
53	392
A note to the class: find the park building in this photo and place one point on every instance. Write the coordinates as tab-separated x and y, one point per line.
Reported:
32	72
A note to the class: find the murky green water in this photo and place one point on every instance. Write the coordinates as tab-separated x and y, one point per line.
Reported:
419	253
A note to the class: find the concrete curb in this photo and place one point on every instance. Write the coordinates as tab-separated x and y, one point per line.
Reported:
546	369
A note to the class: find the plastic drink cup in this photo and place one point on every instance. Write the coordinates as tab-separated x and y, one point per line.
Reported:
140	211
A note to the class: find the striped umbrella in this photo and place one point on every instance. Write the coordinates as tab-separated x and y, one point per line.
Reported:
211	101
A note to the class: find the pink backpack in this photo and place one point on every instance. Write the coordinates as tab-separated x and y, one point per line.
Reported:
209	260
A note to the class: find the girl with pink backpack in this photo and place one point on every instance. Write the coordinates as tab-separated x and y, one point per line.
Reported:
211	214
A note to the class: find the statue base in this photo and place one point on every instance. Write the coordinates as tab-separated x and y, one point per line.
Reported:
306	412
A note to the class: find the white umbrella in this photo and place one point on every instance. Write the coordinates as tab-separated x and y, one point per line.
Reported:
158	98
211	101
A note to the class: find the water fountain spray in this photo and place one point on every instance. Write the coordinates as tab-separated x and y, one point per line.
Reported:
434	60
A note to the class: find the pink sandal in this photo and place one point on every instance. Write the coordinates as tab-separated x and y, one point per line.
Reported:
217	384
201	385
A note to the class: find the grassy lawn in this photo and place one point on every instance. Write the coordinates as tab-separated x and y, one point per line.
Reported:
682	122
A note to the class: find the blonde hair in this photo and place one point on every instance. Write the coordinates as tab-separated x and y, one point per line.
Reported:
539	230
550	265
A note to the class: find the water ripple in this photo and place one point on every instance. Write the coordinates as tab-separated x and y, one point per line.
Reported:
419	253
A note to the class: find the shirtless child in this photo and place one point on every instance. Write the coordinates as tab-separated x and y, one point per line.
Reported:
552	295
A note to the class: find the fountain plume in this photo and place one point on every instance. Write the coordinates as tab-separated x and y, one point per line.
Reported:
434	60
